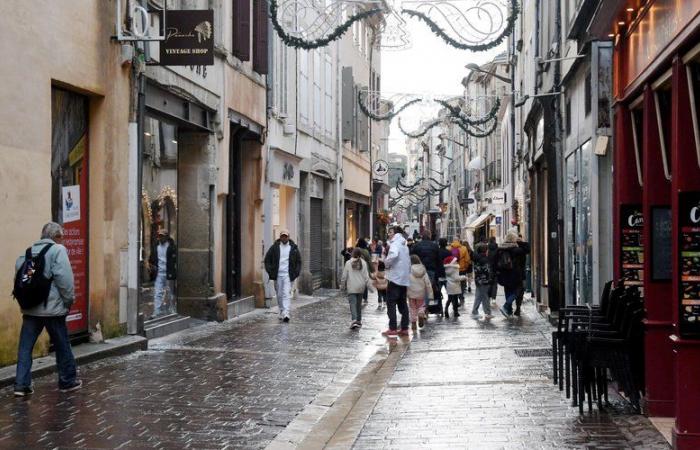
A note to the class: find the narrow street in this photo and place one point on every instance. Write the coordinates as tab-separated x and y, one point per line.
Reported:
257	383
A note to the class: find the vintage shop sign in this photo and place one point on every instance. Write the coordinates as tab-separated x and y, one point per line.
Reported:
189	38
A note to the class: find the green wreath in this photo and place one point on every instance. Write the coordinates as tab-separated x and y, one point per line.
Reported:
435	28
388	116
297	42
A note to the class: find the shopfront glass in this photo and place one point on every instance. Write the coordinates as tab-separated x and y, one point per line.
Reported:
578	225
159	219
69	192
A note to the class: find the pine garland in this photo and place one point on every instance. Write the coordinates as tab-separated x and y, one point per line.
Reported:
421	133
477	134
297	42
435	28
388	116
457	113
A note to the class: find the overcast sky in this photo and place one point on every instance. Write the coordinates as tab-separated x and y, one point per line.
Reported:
428	66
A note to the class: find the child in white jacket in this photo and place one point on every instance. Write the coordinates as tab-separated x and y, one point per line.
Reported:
419	288
355	280
454	284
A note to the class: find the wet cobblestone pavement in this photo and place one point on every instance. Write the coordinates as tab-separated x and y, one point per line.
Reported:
239	384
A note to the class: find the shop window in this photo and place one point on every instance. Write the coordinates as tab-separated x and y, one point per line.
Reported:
159	208
69	192
693	76
637	122
662	105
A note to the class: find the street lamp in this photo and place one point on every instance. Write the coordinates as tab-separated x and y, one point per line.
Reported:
476	68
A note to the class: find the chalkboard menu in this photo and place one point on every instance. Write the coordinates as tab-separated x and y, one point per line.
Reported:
661	244
689	220
632	242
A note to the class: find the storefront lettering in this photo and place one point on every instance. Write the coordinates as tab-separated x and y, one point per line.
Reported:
635	220
695	214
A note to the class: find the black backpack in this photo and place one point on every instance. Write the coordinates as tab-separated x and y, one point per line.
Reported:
31	286
505	261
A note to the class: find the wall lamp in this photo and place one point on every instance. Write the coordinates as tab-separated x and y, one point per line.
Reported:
526	97
476	68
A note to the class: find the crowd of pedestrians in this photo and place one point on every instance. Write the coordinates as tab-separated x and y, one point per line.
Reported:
412	276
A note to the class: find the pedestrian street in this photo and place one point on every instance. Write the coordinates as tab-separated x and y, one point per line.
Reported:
257	382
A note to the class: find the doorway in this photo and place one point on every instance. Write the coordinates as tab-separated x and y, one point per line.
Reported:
233	215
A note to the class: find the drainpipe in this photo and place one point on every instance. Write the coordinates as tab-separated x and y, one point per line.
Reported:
339	240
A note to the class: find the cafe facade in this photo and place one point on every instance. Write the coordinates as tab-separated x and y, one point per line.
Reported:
656	200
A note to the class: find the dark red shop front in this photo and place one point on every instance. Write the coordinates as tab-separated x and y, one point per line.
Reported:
657	197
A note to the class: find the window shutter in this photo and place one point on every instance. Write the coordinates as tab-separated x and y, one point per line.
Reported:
348	104
363	123
241	29
260	37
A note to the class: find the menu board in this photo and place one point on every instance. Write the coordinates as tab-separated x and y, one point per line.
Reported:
661	248
689	220
632	242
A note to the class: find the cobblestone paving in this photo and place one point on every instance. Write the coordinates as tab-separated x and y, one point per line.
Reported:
229	385
460	385
239	384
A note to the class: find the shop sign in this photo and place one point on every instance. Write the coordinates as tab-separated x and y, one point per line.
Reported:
189	38
284	169
498	197
689	289
632	242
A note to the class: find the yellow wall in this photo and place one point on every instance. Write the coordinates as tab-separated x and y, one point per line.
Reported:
66	43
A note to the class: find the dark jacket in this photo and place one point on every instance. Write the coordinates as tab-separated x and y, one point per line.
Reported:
272	261
493	249
483	275
513	278
170	260
368	259
443	253
429	254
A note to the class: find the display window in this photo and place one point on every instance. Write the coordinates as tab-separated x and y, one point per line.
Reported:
159	220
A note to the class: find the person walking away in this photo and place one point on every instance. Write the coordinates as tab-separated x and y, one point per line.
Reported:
380	283
283	265
45	290
163	269
483	277
508	273
443	253
420	287
454	285
470	267
398	267
460	252
492	251
520	264
429	253
354	281
364	249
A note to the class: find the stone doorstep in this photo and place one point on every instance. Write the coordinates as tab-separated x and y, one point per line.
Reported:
84	353
665	426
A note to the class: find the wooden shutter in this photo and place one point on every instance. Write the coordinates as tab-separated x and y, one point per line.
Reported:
316	235
348	105
241	29
363	124
260	38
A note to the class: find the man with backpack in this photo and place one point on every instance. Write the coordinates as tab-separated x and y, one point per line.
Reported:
510	269
44	289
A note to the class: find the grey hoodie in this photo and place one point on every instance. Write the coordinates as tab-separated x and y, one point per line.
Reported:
56	265
355	276
420	285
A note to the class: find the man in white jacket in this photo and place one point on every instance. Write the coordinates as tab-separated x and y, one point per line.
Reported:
398	269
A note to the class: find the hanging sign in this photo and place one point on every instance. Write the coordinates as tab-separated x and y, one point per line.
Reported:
498	197
380	168
632	254
189	38
689	221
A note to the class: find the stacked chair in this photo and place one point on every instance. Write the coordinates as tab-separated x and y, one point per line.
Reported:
591	343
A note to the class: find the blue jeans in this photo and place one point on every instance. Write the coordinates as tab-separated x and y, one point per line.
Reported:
32	327
511	295
355	301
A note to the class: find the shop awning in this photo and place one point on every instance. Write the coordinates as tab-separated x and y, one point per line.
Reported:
479	221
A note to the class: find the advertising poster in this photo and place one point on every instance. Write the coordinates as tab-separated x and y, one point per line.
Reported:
71	203
632	241
689	221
